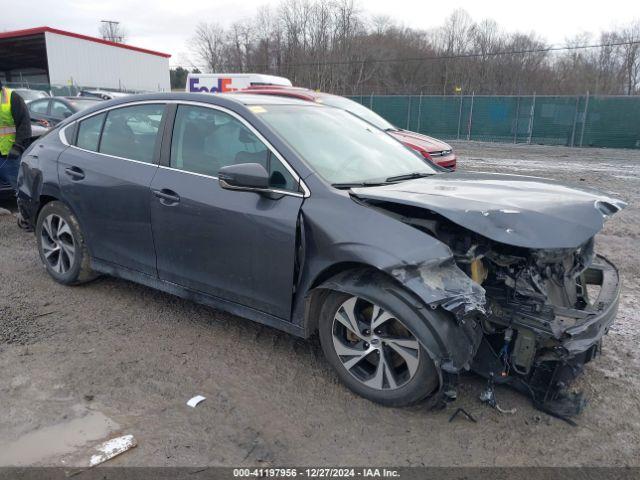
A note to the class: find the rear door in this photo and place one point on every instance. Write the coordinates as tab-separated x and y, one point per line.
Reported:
105	178
236	245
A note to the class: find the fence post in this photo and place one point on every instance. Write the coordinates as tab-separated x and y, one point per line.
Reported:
371	101
473	94
419	112
531	116
584	118
408	112
515	133
459	116
575	120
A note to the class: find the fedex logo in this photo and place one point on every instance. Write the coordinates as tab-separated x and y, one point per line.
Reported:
222	85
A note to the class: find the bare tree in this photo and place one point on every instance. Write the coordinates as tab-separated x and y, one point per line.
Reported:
335	46
112	31
631	56
209	46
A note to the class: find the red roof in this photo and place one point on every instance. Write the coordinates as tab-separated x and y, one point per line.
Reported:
38	30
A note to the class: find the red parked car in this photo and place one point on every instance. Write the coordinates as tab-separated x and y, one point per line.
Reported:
430	148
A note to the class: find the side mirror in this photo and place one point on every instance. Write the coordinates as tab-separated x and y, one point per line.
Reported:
244	176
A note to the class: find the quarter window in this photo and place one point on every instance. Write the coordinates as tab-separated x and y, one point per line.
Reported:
131	132
205	140
89	132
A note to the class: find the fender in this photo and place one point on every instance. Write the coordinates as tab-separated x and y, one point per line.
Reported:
423	268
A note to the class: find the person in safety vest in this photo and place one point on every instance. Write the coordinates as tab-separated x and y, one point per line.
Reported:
15	132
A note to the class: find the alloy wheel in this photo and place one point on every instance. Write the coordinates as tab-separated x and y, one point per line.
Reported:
374	346
58	244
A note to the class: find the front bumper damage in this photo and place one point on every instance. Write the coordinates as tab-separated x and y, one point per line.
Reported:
541	352
538	349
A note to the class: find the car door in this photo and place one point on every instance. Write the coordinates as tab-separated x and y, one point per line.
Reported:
235	245
105	178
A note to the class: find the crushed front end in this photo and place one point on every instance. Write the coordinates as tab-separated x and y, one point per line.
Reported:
547	311
528	245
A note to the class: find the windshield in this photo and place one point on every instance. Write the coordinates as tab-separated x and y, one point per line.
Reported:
358	110
340	147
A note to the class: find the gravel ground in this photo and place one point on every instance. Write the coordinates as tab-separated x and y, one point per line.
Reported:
81	364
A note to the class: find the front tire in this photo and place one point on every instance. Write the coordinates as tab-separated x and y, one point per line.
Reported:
371	344
61	245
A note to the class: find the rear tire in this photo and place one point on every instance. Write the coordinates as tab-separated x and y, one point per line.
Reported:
61	245
406	376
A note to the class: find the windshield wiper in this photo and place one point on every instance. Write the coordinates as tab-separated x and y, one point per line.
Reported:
409	176
346	185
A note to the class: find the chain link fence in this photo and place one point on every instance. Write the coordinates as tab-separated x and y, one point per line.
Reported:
582	120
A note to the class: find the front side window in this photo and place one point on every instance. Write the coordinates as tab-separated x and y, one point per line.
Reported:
205	140
60	110
131	132
89	132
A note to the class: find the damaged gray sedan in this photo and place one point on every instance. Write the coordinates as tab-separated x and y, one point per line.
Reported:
308	219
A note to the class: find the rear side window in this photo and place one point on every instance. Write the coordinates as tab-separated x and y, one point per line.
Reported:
89	132
131	132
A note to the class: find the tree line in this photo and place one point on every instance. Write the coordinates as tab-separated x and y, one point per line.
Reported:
337	47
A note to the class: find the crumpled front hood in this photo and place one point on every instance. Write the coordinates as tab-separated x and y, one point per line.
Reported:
429	144
516	210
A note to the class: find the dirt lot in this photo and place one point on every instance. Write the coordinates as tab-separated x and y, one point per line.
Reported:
81	364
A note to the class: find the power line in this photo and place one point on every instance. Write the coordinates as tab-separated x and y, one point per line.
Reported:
433	57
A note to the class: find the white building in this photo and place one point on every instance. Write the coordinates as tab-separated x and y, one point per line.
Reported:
46	55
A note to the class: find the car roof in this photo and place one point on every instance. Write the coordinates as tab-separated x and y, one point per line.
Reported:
223	100
255	99
80	99
297	92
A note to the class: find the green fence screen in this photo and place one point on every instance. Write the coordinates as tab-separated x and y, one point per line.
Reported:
589	121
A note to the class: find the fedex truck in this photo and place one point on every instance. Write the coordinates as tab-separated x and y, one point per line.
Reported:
230	82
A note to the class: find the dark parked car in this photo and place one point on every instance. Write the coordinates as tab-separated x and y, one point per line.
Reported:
52	110
290	213
430	148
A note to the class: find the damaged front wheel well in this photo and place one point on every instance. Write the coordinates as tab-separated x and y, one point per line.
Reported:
316	296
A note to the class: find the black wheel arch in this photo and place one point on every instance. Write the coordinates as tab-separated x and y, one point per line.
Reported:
450	342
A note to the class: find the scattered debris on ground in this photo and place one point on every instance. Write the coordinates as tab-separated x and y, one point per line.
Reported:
112	448
195	401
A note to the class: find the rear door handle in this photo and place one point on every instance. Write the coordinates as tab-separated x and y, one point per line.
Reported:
167	197
74	172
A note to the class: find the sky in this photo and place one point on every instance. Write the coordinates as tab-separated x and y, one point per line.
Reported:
167	26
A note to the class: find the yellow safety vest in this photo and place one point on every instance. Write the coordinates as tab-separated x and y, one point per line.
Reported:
7	125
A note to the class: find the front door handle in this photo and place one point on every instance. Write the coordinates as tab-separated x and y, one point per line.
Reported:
167	197
74	172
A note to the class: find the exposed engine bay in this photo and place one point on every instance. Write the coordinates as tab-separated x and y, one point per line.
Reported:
545	310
